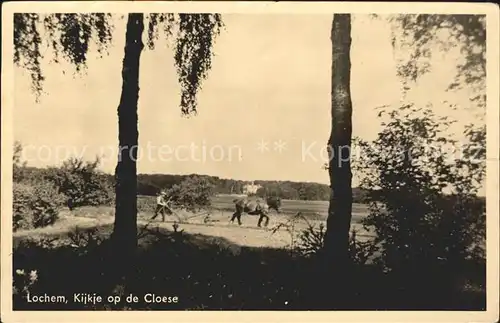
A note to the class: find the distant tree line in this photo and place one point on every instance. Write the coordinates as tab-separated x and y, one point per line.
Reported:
150	184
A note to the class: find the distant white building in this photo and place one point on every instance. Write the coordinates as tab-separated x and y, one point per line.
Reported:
252	188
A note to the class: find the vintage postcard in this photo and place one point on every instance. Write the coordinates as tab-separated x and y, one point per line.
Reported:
249	161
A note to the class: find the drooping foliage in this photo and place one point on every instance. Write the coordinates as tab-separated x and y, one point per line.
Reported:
58	36
194	41
423	35
68	36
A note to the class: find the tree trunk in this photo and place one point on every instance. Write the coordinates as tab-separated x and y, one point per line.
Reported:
339	145
125	227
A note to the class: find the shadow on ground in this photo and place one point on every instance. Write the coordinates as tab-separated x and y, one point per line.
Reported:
212	273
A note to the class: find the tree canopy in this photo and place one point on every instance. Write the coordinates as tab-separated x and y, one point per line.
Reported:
422	34
68	36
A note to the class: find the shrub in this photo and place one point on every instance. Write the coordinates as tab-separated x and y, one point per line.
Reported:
35	205
192	194
423	204
308	243
82	183
146	203
310	240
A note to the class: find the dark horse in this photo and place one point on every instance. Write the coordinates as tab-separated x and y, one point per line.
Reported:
274	202
258	207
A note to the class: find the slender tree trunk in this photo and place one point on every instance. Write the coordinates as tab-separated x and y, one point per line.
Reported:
125	227
339	144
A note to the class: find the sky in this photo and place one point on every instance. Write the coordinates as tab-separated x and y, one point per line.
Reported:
269	87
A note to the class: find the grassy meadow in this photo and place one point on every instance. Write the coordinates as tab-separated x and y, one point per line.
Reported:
216	224
317	210
225	202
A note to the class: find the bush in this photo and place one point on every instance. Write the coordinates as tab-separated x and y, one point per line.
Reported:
308	243
35	205
311	240
82	183
146	203
192	194
423	204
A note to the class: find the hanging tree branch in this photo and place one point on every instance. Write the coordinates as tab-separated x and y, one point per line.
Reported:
67	35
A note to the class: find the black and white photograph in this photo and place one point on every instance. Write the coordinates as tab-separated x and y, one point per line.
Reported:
266	156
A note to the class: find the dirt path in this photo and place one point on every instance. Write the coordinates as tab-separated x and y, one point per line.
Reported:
241	235
248	234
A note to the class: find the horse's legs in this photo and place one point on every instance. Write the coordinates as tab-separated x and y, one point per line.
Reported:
267	220
261	217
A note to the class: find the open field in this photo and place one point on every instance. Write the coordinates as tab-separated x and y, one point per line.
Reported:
310	208
246	235
217	225
288	206
222	209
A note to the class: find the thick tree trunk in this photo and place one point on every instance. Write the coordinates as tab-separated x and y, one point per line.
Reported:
340	209
125	227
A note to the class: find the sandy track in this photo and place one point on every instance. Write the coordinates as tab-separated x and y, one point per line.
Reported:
248	234
241	235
